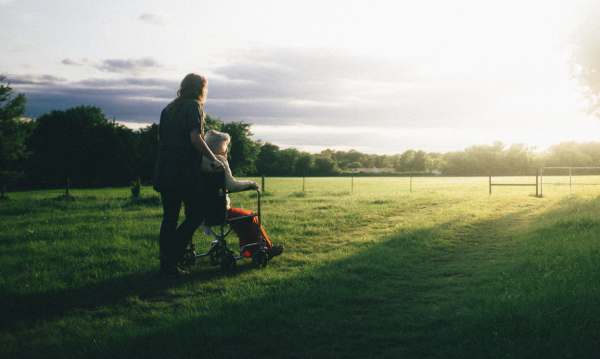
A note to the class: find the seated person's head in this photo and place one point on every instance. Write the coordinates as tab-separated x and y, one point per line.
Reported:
217	142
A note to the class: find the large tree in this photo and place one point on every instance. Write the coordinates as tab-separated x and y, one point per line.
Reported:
518	159
244	151
14	131
148	150
305	164
210	123
585	55
288	159
325	164
267	161
79	145
568	154
403	163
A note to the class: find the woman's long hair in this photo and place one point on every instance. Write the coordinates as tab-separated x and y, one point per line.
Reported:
193	87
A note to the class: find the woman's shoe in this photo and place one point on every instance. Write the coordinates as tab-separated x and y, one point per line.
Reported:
168	269
275	251
172	271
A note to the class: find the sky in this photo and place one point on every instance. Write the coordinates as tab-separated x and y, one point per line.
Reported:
376	76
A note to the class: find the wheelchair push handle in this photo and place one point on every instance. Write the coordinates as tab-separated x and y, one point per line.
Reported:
258	206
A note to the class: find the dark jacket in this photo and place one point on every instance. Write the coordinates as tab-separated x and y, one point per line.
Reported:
179	162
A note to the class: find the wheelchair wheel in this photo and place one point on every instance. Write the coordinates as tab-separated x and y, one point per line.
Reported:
260	259
228	263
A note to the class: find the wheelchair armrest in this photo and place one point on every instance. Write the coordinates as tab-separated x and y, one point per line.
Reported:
223	192
242	190
257	214
232	220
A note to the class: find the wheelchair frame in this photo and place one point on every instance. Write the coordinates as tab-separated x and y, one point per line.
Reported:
219	253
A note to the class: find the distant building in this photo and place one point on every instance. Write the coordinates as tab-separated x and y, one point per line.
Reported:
372	170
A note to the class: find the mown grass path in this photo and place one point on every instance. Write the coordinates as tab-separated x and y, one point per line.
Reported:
451	273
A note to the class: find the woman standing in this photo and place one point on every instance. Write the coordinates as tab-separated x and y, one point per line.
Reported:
177	175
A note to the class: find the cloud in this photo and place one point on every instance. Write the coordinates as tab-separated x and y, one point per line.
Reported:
38	80
71	62
132	66
133	84
326	74
288	86
329	86
321	77
282	86
322	88
316	64
128	99
155	19
124	66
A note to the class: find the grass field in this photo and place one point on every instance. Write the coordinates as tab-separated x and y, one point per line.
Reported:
371	270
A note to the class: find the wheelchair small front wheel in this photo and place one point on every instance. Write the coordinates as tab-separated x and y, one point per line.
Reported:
228	263
260	259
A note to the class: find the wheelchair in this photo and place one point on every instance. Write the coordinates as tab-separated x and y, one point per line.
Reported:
218	253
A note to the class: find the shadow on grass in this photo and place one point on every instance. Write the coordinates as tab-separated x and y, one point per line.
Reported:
30	206
143	201
29	309
391	299
36	231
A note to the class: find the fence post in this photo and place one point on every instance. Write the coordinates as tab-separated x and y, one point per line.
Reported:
570	178
541	181
263	183
536	183
490	176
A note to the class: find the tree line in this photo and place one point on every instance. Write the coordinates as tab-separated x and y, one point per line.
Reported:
517	159
80	147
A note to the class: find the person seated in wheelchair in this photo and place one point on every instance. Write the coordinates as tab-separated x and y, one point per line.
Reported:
247	231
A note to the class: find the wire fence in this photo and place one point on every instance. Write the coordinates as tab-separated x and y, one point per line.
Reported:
554	183
564	180
398	185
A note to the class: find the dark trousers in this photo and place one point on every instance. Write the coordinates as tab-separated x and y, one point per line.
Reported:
173	240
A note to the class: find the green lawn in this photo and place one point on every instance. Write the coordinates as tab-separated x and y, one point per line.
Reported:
371	270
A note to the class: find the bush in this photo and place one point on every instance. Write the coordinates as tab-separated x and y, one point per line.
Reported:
136	187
